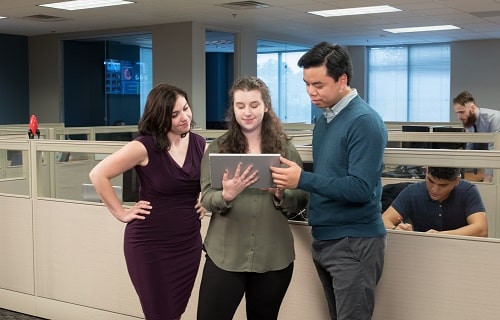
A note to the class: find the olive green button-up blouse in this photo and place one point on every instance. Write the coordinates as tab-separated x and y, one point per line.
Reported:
251	233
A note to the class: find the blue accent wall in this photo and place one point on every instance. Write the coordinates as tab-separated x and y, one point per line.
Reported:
219	79
14	80
83	83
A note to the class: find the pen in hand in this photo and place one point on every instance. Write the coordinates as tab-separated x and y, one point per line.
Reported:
401	221
402	225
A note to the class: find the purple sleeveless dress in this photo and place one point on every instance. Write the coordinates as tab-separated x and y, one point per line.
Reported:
163	251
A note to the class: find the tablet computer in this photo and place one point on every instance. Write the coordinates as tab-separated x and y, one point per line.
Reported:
261	162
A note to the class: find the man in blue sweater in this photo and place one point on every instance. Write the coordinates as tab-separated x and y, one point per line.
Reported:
349	139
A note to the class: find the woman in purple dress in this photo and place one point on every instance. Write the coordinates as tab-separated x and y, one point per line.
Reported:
162	241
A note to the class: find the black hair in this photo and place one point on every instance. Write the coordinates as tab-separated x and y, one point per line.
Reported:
333	56
444	173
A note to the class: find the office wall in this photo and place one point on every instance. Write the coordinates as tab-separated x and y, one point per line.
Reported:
14	88
359	77
45	78
245	49
475	67
179	58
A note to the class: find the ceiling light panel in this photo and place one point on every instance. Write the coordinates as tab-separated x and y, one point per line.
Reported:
355	11
422	29
85	4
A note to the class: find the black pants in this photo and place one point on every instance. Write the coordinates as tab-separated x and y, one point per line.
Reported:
221	292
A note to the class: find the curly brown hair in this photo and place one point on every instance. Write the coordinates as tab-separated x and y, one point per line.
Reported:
272	132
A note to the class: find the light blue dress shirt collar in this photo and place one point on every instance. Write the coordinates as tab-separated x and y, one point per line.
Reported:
333	111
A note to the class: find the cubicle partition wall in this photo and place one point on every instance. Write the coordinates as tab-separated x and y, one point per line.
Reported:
65	257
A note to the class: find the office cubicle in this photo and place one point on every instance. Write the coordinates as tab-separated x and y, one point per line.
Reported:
66	262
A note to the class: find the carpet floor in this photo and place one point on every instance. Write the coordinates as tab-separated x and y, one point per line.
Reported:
11	315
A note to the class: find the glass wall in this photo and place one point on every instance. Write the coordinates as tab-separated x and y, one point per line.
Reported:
106	80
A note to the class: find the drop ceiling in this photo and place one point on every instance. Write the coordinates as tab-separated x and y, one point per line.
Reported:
286	20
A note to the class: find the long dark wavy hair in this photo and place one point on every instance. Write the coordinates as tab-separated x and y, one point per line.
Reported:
156	120
272	134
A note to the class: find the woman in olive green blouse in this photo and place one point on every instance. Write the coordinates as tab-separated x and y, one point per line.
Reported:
249	244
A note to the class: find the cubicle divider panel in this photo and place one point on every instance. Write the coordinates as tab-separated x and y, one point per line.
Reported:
305	298
79	257
16	244
79	263
437	277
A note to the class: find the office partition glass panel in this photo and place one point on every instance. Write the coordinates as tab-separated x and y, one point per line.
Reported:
65	175
14	172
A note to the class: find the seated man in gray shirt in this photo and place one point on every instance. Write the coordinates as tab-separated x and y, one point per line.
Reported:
443	203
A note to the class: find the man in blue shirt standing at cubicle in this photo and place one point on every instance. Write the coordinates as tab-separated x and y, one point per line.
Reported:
349	139
475	119
443	203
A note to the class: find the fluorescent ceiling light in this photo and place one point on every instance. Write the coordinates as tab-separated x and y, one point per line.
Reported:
3	17
354	11
84	4
422	29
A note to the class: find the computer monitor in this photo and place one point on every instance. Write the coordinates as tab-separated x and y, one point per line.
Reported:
62	156
114	136
448	145
15	157
415	144
410	172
